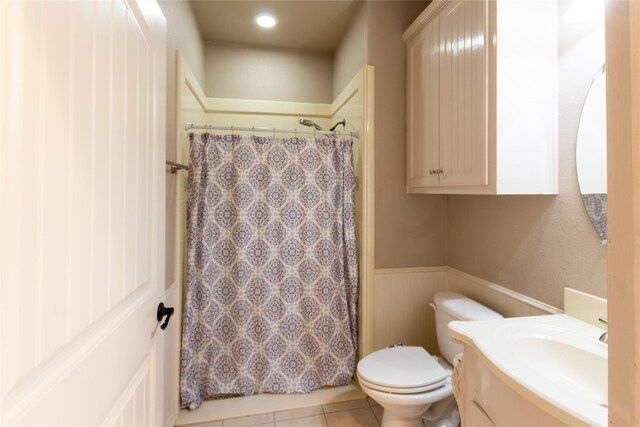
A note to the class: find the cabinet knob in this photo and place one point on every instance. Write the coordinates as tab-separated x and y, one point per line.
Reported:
431	171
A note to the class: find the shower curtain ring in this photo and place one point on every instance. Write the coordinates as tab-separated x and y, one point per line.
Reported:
232	134
295	133
253	129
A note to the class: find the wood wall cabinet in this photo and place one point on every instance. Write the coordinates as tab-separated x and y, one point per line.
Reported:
482	98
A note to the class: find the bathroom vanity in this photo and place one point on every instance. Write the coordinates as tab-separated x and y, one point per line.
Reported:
531	371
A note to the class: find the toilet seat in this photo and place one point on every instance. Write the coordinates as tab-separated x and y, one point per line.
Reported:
401	370
416	390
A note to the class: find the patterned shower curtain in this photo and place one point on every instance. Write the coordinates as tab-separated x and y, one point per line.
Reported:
272	285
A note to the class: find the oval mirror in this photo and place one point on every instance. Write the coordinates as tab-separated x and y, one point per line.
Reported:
591	154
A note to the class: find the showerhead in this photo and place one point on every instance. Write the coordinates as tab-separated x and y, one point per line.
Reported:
342	122
310	123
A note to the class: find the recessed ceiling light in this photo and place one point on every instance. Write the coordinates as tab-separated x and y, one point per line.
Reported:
266	20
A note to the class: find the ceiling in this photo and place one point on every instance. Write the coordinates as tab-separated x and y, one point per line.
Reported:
309	25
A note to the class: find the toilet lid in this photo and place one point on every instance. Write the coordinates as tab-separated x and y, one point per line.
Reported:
401	368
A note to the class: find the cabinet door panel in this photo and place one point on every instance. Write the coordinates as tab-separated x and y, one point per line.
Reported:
422	107
463	93
477	417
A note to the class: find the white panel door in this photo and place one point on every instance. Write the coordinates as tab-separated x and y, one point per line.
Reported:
422	107
82	94
464	139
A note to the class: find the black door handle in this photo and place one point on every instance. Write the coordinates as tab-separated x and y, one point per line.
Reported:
164	311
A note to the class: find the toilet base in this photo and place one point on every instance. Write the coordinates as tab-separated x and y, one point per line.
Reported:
392	420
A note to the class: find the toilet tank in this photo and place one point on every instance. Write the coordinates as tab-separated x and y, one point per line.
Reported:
452	306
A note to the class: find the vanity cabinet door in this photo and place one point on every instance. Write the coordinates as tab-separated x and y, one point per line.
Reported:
464	142
489	401
422	107
482	104
477	417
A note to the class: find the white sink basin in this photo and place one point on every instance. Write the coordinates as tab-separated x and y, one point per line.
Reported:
572	361
557	358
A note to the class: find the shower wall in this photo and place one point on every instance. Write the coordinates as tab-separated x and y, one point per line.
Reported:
188	109
183	36
355	105
229	112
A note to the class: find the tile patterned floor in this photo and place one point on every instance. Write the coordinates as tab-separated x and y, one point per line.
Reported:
354	413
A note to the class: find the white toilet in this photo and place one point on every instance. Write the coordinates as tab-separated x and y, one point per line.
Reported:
409	383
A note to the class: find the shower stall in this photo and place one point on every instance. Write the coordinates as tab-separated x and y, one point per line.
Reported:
351	112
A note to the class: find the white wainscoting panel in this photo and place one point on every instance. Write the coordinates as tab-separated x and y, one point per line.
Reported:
496	297
402	297
402	312
132	409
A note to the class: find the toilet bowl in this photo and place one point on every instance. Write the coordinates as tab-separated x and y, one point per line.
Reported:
407	381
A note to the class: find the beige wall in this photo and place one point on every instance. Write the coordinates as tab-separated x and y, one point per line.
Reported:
182	35
537	245
248	72
410	229
351	54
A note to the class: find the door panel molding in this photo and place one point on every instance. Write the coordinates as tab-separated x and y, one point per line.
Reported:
133	407
95	343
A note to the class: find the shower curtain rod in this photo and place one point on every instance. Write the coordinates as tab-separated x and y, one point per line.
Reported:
188	126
